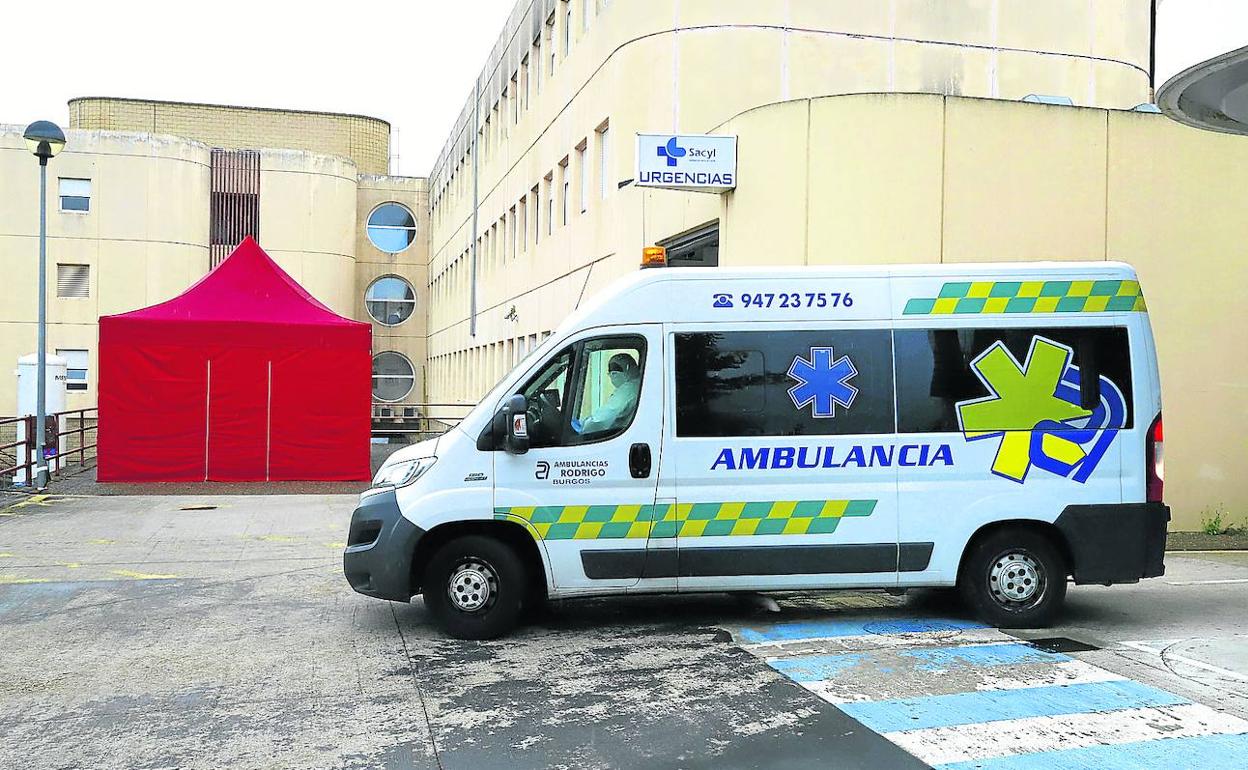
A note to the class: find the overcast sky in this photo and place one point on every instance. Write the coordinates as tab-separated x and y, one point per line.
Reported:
410	62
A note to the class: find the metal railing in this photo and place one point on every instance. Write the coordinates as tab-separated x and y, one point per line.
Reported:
71	426
416	422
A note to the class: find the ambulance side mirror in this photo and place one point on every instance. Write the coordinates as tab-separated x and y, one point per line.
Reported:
516	422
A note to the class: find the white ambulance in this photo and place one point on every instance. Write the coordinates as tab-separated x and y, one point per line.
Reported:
991	427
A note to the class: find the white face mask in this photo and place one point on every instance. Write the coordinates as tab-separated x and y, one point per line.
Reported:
617	378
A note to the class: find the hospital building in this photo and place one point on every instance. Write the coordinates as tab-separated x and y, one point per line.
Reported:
867	132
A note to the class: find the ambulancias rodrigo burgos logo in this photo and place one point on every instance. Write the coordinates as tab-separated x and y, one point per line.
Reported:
1034	409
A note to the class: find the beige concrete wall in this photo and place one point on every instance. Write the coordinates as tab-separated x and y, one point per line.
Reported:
145	238
411	264
896	179
308	222
364	140
691	66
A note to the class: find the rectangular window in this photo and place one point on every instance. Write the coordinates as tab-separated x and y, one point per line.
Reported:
564	189
550	41
797	383
524	75
582	168
604	159
537	64
75	194
567	27
550	203
75	368
514	231
587	7
523	218
536	194
940	373
515	101
73	281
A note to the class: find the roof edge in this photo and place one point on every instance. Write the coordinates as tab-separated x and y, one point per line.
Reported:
230	107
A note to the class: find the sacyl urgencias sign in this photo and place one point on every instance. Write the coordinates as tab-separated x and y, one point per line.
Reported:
697	162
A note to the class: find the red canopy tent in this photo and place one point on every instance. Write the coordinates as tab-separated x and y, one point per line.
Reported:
242	377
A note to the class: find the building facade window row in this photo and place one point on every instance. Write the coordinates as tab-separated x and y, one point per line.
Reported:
465	374
554	42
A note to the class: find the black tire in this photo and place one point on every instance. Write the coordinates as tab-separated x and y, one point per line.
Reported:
1015	578
480	570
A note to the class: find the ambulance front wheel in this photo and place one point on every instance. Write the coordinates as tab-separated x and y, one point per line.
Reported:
1015	578
474	587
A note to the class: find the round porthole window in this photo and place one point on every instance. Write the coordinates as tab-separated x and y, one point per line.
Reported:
391	227
390	300
393	376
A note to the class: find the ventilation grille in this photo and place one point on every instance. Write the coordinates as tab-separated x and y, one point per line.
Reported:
234	210
73	280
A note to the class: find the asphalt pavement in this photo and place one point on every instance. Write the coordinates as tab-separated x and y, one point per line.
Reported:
180	631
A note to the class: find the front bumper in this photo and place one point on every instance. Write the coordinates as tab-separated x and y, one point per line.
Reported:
380	546
1115	543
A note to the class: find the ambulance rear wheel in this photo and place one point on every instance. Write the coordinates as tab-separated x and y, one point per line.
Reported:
474	587
1015	578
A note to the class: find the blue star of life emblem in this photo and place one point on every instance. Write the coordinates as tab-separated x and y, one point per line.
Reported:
822	382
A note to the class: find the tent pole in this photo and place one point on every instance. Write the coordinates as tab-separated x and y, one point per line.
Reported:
207	417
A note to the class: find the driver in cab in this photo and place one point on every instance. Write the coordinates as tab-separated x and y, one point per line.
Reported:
618	409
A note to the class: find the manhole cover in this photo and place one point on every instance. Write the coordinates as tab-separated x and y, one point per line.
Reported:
1062	644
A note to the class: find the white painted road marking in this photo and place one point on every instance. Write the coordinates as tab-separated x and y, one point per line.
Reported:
1227	581
943	745
1162	649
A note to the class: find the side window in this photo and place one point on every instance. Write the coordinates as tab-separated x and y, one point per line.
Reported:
801	383
607	388
1011	379
587	393
546	392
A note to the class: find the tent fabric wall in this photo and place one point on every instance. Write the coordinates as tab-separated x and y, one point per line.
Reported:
243	377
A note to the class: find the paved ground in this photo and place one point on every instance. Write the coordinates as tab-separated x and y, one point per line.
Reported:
217	631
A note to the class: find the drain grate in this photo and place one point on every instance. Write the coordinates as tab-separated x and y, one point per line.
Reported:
198	508
1062	644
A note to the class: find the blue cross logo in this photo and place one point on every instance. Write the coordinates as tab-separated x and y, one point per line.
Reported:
671	151
823	382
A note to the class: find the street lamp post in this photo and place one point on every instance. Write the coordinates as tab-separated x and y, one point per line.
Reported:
45	139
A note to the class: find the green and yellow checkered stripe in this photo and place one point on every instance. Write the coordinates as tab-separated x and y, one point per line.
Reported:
979	297
605	522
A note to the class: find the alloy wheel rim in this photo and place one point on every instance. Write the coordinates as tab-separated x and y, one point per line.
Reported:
1016	580
473	586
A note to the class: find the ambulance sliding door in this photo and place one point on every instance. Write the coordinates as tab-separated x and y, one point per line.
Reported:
781	442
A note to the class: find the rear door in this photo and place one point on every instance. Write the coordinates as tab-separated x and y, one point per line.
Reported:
782	441
1006	397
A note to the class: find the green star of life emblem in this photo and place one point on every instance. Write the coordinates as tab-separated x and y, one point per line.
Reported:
1023	396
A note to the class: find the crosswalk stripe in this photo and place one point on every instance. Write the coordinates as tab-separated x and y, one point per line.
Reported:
1211	752
943	745
876	627
969	707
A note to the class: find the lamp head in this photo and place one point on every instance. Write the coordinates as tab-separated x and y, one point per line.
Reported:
44	139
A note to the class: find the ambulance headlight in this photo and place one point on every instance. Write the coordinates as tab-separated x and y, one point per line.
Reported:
402	473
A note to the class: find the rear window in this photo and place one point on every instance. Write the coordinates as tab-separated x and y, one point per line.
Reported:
942	368
784	383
